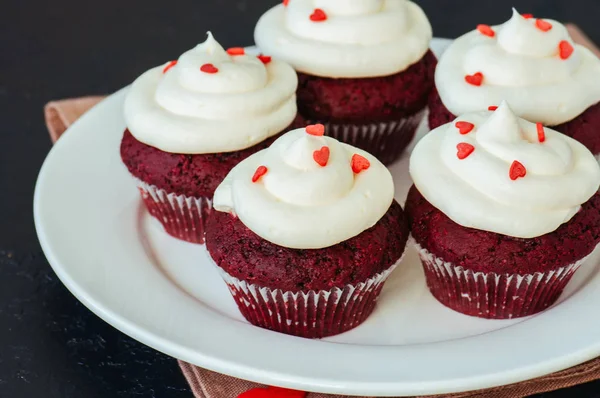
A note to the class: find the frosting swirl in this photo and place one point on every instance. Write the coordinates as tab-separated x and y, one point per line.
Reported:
209	101
499	173
531	63
345	38
292	196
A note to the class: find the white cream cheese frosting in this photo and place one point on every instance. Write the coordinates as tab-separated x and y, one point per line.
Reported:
298	194
210	101
533	64
499	173
345	38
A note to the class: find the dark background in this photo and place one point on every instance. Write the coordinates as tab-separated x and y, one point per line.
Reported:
50	345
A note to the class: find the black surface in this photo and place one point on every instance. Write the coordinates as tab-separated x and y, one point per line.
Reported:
50	345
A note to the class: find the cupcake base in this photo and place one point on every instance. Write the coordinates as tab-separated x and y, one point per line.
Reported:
181	216
313	314
491	295
386	140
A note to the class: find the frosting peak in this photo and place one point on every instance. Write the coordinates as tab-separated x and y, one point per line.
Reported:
302	202
211	101
532	63
506	175
345	38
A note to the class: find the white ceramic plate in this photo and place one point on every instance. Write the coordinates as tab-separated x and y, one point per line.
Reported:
115	259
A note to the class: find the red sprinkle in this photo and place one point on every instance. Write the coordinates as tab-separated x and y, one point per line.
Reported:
265	59
527	16
169	66
517	170
236	51
208	68
492	108
542	25
315	129
464	150
286	2
464	127
486	30
359	163
540	131
475	79
321	156
272	392
318	15
566	49
260	171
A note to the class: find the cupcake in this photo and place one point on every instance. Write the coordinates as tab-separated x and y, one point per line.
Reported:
364	67
189	122
534	65
503	212
305	233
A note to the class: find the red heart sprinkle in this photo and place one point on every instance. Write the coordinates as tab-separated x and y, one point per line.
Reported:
260	171
315	129
542	25
517	170
464	127
286	2
236	51
321	156
318	15
540	132
169	66
492	108
486	30
265	59
464	150
475	79
208	68
566	49
272	392
527	16
359	163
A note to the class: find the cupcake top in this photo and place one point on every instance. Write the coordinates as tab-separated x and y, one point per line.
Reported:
496	172
345	38
307	191
532	63
211	101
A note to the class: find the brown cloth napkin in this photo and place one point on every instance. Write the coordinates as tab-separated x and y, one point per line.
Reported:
207	384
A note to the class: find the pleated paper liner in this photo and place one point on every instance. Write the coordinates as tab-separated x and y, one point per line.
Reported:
313	314
181	216
492	295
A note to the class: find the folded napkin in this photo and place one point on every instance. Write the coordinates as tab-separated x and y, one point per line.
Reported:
207	384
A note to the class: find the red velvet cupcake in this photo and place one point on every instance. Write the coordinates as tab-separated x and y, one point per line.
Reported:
365	69
503	212
305	234
531	63
191	121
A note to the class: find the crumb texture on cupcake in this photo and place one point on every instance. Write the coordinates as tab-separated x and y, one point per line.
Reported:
348	38
495	172
532	63
246	256
307	191
211	100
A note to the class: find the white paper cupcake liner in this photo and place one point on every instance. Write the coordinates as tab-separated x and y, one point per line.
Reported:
181	216
493	295
386	141
313	314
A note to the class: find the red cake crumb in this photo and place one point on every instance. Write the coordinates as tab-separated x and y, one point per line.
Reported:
585	128
190	175
484	251
246	256
364	100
